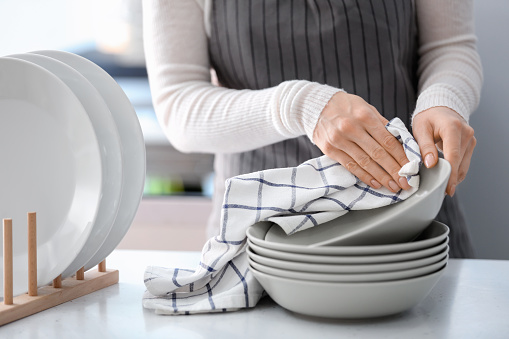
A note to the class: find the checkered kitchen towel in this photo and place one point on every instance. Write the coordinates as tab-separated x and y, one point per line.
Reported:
296	198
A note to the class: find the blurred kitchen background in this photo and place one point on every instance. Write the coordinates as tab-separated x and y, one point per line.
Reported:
178	187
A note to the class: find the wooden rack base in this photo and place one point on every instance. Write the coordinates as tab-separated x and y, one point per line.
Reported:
49	296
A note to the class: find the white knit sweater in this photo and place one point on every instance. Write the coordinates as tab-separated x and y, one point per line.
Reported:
198	116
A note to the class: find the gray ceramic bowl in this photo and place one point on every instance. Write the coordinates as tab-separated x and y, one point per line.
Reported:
347	300
434	234
397	223
350	277
347	268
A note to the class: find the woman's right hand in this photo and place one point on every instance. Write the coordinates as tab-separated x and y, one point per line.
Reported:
352	132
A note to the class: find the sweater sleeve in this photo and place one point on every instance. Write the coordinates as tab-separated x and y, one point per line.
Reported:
449	68
197	116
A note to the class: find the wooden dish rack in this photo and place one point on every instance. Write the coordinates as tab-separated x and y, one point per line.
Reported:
43	298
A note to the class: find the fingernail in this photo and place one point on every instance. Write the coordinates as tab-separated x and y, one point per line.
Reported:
429	160
375	184
452	190
394	186
403	182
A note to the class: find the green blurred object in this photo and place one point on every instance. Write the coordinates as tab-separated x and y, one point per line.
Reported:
163	186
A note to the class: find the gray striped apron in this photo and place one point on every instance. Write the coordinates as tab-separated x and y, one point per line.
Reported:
367	47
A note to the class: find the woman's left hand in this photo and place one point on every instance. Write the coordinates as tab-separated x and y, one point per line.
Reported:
443	127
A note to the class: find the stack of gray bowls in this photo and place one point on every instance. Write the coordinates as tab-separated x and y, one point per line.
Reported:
350	279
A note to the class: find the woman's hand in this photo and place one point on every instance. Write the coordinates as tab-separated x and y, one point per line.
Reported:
443	127
352	132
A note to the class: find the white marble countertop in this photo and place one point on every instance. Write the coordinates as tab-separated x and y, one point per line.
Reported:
471	300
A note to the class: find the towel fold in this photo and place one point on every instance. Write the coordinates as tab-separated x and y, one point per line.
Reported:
297	198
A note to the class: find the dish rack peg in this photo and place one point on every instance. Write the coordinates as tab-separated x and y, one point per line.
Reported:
45	297
8	270
57	282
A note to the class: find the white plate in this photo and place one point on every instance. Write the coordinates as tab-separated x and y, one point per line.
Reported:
349	259
396	223
434	234
346	268
109	145
133	146
347	300
51	165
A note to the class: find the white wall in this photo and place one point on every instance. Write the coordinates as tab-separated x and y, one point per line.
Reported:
30	25
485	192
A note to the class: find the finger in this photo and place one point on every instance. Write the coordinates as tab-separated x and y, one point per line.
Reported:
363	149
465	162
424	136
382	119
381	164
468	143
353	167
394	148
389	142
452	153
440	146
370	164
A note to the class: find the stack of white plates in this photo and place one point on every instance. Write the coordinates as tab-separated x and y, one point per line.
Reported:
73	152
357	273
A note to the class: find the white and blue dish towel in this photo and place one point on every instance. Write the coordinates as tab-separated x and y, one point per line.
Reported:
296	198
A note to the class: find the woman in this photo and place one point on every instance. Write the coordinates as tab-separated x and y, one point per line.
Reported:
304	78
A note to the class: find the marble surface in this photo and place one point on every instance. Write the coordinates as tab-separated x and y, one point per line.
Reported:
470	301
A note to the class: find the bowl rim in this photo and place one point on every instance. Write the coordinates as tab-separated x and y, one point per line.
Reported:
363	268
369	284
346	250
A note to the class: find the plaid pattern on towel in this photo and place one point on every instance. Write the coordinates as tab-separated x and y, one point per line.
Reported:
296	198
